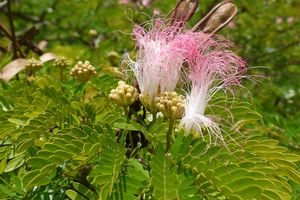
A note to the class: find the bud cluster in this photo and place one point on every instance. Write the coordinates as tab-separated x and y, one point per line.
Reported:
83	71
171	104
123	95
33	64
61	62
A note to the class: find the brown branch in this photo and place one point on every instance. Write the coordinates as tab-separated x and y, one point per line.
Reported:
32	47
5	30
12	30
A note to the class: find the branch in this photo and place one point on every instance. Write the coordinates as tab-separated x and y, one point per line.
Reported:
33	47
5	30
12	29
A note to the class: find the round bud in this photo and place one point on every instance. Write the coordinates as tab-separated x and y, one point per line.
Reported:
82	71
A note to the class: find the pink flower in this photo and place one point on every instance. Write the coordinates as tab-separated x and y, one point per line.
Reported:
211	69
161	52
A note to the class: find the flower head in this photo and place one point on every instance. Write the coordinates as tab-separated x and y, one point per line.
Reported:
161	54
212	69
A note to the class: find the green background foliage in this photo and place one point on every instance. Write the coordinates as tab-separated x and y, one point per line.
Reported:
58	139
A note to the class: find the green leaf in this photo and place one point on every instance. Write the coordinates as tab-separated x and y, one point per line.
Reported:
164	178
18	122
74	195
38	162
15	163
107	172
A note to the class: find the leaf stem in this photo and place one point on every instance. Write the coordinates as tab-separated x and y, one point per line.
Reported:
62	75
169	134
126	111
140	120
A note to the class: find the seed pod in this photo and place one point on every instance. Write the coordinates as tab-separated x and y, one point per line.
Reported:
184	11
217	18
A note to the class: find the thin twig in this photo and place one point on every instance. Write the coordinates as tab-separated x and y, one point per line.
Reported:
23	16
33	47
12	29
5	30
169	134
130	133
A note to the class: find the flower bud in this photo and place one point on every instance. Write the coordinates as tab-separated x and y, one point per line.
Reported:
33	65
171	105
83	71
123	95
61	62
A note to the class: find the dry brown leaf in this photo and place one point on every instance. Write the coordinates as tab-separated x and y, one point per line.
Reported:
47	57
12	68
3	3
42	44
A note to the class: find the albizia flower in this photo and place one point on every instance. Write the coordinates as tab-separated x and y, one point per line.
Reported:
211	69
161	52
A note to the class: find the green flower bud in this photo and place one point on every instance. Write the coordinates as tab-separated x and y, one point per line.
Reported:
171	105
33	65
